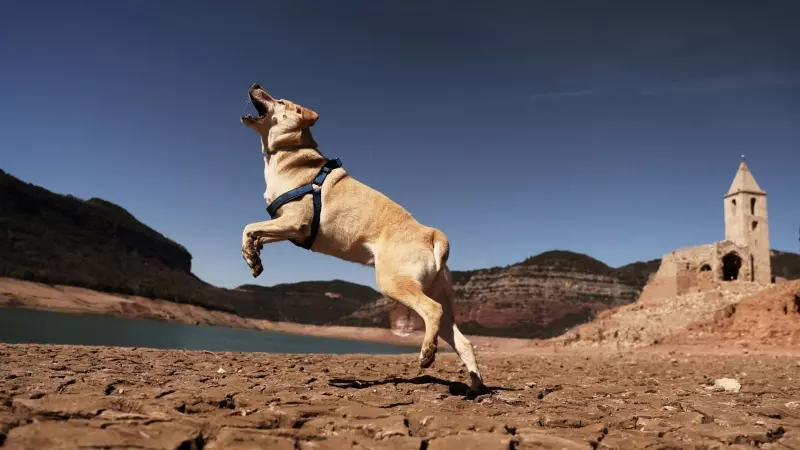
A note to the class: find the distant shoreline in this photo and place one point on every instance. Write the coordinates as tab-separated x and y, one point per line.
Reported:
16	293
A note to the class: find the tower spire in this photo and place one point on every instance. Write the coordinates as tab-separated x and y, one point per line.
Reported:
744	181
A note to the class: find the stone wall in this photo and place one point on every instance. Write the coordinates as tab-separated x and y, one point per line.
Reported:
696	269
676	273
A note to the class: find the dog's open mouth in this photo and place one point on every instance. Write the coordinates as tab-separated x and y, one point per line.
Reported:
260	108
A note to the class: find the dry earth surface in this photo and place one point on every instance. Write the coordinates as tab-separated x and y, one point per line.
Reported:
103	397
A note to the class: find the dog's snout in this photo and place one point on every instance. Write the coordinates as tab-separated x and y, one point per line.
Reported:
255	86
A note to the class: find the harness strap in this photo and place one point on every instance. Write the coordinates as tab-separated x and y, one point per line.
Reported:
287	197
315	187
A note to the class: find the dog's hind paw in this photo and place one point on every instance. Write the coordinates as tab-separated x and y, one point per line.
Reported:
427	356
476	384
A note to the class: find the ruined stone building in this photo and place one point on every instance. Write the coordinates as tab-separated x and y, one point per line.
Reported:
744	255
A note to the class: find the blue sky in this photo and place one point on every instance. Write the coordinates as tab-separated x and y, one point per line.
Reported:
607	128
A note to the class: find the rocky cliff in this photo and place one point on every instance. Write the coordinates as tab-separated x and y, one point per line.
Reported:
95	244
539	297
61	239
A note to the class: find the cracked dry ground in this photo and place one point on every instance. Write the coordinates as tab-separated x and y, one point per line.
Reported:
97	397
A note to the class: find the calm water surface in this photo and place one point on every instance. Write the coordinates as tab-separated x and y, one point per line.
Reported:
19	325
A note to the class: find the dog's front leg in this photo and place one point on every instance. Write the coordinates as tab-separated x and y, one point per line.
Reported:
257	234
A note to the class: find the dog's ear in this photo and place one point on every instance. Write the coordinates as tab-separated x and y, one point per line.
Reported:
309	117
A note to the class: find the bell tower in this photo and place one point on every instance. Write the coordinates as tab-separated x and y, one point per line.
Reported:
746	222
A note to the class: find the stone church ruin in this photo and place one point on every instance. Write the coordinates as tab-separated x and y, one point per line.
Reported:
744	255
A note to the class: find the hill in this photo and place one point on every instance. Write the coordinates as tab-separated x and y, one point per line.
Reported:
539	297
95	244
311	302
785	264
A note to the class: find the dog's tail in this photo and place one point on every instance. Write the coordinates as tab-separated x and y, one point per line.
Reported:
441	249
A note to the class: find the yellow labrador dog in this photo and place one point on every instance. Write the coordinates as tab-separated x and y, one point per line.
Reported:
315	204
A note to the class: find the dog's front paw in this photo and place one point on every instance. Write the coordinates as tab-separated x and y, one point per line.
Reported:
256	269
253	261
251	252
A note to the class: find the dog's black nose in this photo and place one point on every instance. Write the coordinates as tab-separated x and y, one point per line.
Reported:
255	86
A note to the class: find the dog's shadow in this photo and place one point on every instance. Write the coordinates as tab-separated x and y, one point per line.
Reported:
454	387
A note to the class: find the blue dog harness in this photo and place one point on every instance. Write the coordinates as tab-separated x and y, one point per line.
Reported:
315	188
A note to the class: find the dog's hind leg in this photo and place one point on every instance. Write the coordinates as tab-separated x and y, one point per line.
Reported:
403	281
442	292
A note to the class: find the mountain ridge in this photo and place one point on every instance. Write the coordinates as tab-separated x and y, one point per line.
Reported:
96	244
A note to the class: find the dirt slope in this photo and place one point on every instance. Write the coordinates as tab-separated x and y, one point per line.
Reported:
770	317
642	324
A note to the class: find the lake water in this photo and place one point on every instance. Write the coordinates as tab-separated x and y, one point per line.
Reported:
18	325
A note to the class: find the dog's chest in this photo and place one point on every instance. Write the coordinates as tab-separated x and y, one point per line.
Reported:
270	173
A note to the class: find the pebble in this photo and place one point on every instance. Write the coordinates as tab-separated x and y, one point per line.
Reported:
727	385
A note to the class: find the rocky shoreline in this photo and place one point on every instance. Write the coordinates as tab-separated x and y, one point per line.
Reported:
105	397
75	300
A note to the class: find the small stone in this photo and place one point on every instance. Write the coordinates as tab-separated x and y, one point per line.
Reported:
793	405
220	370
727	385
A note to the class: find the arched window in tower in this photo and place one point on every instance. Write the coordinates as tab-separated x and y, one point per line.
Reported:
733	206
752	207
755	225
705	268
